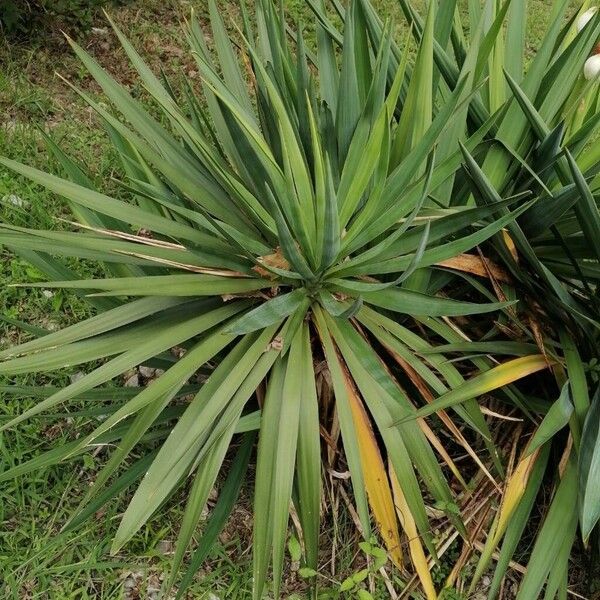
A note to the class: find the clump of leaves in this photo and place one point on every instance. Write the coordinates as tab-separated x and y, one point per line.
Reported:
320	233
354	584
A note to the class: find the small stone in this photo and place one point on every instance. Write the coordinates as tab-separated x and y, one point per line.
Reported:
15	200
165	547
133	381
77	376
177	351
146	372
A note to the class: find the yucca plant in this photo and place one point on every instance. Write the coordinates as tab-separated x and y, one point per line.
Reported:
315	230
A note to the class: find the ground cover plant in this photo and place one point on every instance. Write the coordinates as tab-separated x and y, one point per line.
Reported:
343	240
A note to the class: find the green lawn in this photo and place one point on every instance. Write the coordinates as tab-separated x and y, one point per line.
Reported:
35	561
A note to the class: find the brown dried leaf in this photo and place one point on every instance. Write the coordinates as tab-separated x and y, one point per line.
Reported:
276	260
469	263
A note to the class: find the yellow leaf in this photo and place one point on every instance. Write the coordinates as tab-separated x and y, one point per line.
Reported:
510	245
417	554
497	377
515	488
379	493
513	370
513	492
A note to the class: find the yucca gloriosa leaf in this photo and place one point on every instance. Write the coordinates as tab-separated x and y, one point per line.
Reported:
343	208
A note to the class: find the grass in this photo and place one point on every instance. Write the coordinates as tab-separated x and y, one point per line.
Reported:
35	561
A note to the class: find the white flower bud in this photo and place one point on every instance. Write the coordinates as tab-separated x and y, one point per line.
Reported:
591	68
586	17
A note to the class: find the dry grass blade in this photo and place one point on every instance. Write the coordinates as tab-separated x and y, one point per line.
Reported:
184	266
